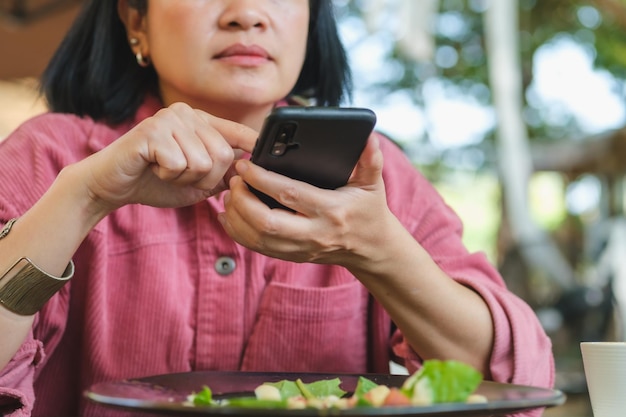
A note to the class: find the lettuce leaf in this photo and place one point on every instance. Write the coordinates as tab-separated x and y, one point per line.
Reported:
286	388
204	397
364	385
324	388
443	381
253	402
317	389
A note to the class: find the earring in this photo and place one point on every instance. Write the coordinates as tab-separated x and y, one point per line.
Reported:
141	60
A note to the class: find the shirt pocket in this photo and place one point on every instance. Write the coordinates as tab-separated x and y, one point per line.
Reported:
309	329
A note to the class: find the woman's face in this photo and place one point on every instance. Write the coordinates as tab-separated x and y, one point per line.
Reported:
221	55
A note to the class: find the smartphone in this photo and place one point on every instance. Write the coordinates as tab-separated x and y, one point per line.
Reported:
317	145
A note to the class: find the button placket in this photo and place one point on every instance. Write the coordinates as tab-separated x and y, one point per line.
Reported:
220	318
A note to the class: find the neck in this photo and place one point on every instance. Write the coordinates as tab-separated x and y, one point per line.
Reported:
252	117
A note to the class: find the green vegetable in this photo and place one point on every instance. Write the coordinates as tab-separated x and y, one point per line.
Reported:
443	381
204	397
317	389
436	382
304	390
322	388
363	386
253	402
286	388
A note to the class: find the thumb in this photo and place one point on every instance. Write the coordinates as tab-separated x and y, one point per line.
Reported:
370	165
238	136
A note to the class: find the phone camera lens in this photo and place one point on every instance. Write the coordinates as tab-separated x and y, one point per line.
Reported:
284	139
279	148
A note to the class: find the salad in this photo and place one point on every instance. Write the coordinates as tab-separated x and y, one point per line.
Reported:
436	382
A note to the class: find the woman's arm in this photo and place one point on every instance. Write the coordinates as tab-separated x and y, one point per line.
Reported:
48	234
439	317
176	158
354	227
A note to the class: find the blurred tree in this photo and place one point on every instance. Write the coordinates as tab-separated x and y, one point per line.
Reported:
514	155
459	59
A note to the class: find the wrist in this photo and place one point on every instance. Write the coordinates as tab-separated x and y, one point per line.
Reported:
62	211
71	185
386	245
24	287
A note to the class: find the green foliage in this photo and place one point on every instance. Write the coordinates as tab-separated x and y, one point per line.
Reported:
600	26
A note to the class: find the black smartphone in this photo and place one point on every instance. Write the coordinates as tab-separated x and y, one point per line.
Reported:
318	145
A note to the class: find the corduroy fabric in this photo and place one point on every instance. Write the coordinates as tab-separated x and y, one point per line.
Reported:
146	297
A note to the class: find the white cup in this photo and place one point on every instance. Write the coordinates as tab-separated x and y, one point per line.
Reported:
605	372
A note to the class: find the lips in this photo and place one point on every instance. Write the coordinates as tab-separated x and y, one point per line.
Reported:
239	50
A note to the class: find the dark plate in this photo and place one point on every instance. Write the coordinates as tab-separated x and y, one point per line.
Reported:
167	394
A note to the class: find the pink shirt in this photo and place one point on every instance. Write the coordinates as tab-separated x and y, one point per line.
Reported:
166	290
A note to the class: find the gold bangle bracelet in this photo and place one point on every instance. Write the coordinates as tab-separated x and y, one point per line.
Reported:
25	288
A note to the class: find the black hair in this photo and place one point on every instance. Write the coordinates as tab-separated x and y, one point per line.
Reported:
94	72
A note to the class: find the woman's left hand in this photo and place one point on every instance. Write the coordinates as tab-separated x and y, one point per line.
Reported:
329	226
353	226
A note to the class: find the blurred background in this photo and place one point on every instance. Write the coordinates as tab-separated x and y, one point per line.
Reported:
514	109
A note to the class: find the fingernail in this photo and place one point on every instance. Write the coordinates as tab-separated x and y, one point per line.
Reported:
242	166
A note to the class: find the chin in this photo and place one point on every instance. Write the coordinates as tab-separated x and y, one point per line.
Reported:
256	98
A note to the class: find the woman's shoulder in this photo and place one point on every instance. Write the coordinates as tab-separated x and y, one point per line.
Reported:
388	145
67	132
53	140
47	127
409	191
396	158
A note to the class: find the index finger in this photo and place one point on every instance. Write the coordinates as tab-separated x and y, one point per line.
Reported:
237	135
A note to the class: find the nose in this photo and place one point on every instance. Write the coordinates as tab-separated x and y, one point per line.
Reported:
243	15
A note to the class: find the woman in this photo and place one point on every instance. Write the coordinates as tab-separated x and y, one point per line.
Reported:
139	176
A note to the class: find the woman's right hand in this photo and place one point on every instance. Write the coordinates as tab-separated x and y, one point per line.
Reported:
176	158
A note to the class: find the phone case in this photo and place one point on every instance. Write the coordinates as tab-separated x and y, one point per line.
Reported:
318	145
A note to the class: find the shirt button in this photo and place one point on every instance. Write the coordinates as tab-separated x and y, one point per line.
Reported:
225	265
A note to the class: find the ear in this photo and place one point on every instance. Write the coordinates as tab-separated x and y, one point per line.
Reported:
134	21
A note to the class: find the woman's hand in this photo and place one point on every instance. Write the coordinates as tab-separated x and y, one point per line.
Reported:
353	227
175	158
340	226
